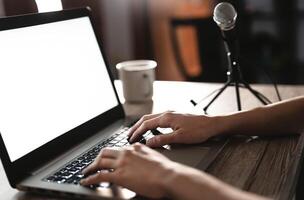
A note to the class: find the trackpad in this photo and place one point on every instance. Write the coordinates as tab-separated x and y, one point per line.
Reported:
188	155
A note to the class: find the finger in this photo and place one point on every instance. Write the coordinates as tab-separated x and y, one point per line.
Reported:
144	118
98	178
137	147
105	153
142	149
161	140
110	152
140	121
148	125
92	168
104	163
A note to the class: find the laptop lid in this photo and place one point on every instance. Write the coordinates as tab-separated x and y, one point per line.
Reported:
55	86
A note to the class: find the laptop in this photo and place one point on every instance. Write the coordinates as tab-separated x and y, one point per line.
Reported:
59	106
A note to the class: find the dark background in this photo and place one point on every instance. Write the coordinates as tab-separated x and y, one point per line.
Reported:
271	37
270	34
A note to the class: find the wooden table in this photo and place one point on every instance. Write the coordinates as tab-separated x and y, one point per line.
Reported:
267	166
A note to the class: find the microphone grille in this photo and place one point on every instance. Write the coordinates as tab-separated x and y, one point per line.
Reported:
225	16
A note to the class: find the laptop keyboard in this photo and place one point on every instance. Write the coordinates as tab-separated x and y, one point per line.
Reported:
71	173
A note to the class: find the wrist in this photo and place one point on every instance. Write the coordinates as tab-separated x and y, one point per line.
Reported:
169	180
188	183
242	122
182	182
222	125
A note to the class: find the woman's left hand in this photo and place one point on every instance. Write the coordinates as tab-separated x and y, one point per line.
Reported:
131	166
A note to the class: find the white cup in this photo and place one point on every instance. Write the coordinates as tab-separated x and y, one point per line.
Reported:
137	78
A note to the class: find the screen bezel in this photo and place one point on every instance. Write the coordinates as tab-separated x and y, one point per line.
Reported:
20	168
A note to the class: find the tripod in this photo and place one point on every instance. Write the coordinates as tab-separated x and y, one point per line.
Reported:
225	16
235	78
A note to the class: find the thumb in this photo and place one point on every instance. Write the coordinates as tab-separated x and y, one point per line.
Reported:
161	140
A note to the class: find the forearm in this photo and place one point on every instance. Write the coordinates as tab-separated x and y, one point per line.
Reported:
276	119
193	184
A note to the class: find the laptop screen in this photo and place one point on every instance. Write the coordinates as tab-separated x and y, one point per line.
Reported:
52	79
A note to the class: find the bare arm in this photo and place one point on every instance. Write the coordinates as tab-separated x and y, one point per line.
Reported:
169	179
284	117
189	183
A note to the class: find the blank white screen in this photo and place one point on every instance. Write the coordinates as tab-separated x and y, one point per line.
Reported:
52	79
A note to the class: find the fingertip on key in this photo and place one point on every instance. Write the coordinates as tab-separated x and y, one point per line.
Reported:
129	139
82	182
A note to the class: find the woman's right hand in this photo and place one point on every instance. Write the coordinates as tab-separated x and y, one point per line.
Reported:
186	128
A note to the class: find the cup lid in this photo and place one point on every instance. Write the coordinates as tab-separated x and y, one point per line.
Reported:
136	65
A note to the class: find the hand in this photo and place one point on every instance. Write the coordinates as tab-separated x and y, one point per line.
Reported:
186	128
130	167
150	174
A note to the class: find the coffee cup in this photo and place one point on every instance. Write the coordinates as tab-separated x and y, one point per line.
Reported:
137	78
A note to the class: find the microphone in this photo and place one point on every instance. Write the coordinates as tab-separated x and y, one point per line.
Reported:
225	16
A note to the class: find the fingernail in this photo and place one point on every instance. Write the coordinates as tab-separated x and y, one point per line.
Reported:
149	142
82	182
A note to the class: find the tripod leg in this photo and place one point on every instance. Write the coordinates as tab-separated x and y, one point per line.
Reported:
237	91
215	97
254	93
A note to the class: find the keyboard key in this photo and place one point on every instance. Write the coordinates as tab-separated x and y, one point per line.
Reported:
71	173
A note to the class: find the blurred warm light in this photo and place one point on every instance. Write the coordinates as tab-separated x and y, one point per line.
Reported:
48	5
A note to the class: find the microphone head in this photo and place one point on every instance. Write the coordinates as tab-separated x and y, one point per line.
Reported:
225	16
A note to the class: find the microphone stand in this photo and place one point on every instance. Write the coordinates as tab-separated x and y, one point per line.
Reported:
235	78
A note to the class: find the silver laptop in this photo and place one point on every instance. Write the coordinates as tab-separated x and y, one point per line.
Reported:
59	106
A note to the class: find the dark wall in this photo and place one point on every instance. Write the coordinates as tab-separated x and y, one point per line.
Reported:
269	38
16	7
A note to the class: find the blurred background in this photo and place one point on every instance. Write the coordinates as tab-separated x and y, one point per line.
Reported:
182	37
